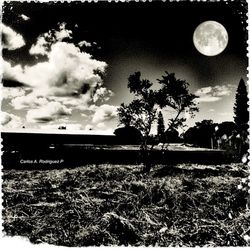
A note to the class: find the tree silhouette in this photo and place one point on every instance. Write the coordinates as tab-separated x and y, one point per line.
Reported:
174	93
172	136
241	113
128	135
141	113
201	134
160	127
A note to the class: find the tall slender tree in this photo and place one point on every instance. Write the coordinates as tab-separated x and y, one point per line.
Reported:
241	114
160	126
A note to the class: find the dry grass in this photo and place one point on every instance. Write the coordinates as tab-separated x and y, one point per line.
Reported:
184	205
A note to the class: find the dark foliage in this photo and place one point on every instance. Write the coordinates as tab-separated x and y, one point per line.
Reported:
226	128
160	127
224	136
128	135
201	134
172	136
241	117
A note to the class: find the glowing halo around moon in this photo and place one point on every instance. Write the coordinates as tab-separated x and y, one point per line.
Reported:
210	38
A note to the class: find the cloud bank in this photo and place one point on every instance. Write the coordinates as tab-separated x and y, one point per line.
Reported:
67	72
68	79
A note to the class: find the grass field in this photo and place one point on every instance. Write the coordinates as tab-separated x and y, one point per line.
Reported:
183	205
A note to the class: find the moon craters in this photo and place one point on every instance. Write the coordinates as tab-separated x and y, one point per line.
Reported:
210	38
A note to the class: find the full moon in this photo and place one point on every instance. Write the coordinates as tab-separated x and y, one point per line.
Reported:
210	38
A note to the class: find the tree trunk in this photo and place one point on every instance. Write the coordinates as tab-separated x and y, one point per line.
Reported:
146	155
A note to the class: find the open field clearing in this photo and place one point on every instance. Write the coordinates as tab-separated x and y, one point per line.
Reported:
76	155
182	205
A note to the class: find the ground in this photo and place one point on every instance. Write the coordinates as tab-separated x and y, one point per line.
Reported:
182	205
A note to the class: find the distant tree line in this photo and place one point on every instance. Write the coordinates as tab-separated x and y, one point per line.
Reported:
207	133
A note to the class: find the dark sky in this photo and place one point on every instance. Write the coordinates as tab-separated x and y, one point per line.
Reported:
149	37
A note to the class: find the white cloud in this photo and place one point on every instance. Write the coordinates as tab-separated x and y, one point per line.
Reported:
203	91
45	41
11	39
24	17
213	94
28	101
100	125
67	72
10	120
98	130
208	98
104	113
40	48
102	94
12	72
73	126
81	102
63	32
84	44
69	77
83	115
10	93
5	118
223	90
49	112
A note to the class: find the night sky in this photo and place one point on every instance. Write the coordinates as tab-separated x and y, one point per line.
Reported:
57	84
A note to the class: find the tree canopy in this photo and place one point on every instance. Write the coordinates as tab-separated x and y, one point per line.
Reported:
128	135
142	111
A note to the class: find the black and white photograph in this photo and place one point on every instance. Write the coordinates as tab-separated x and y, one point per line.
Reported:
125	123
